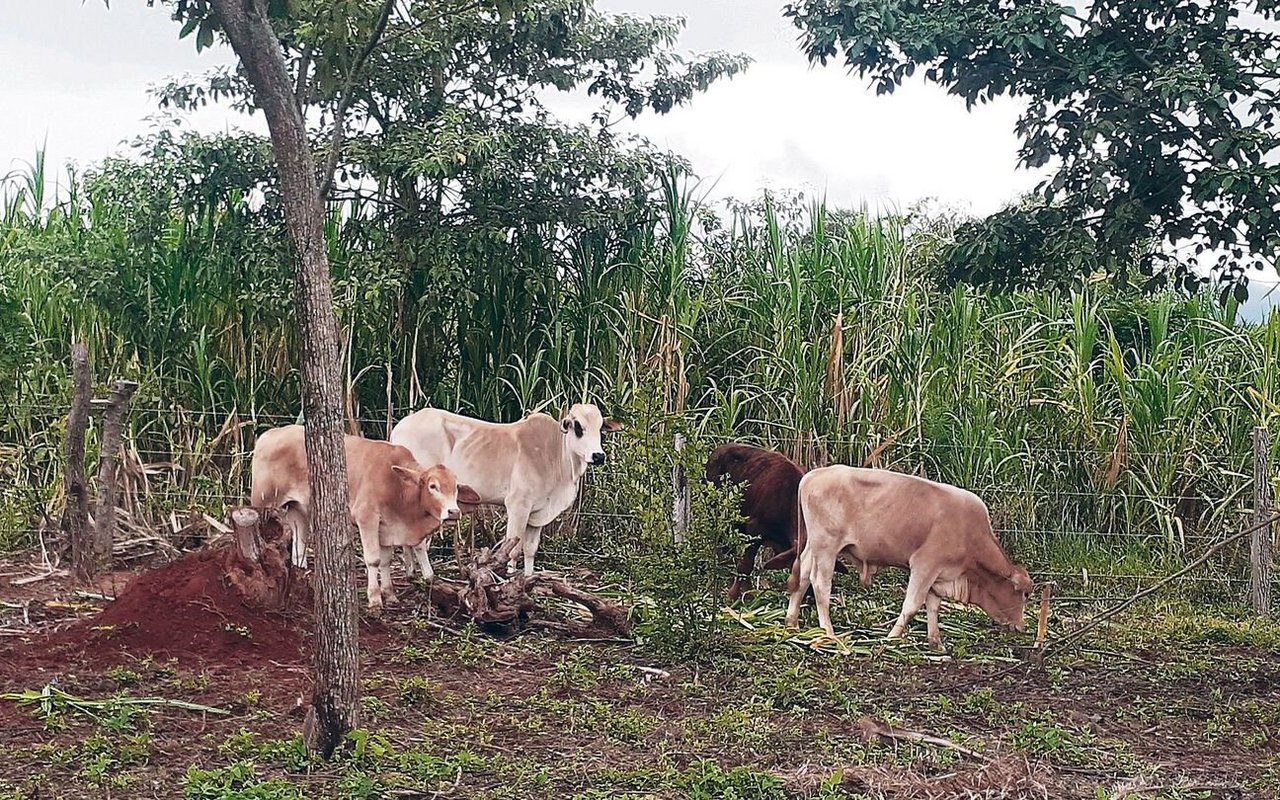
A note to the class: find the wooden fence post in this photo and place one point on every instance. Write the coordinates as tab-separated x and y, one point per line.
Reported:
1260	559
75	517
112	434
680	493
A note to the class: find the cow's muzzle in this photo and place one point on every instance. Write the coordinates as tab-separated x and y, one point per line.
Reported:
597	458
451	514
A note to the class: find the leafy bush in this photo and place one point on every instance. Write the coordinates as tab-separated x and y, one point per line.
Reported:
680	578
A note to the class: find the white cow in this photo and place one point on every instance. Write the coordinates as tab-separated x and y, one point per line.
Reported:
532	467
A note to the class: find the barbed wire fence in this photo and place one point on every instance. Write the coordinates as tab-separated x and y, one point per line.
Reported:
181	470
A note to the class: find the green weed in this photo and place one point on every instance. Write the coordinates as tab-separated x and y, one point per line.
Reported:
239	781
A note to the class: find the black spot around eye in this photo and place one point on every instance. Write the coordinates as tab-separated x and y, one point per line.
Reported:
577	428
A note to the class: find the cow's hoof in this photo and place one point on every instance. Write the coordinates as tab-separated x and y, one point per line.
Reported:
896	633
937	644
389	599
375	609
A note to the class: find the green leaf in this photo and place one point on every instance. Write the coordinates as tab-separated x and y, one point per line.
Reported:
205	37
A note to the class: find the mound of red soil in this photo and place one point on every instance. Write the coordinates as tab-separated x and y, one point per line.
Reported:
190	609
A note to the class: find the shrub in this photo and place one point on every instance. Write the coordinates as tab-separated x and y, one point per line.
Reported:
679	578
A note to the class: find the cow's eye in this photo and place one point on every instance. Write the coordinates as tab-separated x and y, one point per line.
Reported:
435	487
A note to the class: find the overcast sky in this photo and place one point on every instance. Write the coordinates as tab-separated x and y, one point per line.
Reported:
76	75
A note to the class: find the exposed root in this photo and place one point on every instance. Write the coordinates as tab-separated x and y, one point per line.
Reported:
488	595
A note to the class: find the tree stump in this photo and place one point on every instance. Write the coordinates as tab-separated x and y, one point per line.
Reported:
257	566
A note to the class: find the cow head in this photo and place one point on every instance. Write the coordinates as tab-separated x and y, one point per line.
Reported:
1003	597
582	426
437	491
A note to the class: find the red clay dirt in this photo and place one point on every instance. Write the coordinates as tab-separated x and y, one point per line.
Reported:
189	609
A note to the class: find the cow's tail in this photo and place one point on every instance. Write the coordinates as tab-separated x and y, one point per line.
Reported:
801	542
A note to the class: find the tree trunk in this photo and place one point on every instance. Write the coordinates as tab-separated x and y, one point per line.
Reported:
112	437
334	704
75	517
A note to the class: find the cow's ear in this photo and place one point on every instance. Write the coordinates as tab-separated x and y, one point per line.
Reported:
468	495
406	473
566	424
1021	580
611	426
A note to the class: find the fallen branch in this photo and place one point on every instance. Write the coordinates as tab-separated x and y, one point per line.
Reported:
875	730
489	595
93	595
55	573
602	611
1079	633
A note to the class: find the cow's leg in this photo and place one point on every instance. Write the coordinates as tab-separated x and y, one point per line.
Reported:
532	538
296	522
384	573
517	525
373	552
745	564
801	572
422	553
917	590
932	602
820	574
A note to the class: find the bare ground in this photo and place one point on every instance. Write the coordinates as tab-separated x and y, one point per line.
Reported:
1156	707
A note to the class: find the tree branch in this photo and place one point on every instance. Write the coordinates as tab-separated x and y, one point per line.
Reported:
300	89
348	94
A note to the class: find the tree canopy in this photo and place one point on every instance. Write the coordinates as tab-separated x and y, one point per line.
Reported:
458	196
1156	119
445	119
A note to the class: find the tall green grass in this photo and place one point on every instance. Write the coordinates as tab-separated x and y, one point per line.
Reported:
1098	416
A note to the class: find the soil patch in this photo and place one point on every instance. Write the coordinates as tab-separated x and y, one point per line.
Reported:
189	609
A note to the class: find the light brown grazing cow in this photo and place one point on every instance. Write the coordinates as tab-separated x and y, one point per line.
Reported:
941	533
532	467
393	499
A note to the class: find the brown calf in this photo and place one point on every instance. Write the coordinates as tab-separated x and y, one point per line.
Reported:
942	534
393	499
771	481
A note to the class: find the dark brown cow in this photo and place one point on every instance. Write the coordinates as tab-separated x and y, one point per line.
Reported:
771	481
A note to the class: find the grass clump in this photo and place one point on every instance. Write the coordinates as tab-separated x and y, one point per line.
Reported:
239	781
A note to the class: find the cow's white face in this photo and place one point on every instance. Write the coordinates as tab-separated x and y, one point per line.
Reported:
582	427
